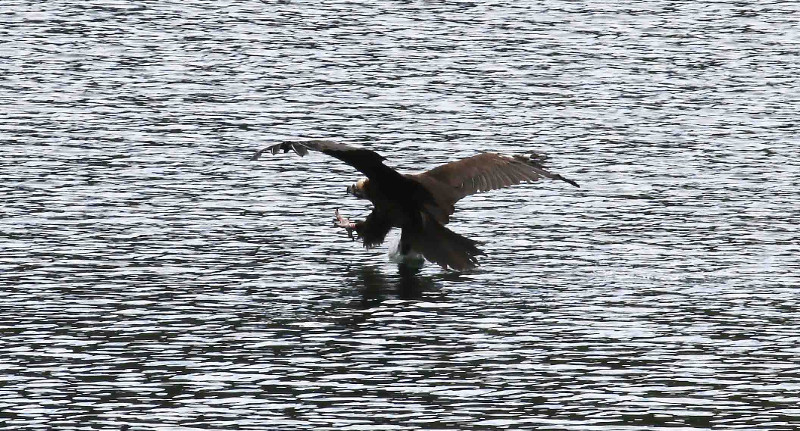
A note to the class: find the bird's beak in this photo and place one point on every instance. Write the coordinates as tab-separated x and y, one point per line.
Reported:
355	191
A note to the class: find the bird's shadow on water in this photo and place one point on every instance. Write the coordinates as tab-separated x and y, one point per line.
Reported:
375	287
408	284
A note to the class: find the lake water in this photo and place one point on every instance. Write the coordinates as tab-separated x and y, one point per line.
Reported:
153	278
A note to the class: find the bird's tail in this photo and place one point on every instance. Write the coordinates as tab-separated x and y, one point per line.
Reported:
440	245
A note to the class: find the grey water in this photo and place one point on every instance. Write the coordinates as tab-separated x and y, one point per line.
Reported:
153	278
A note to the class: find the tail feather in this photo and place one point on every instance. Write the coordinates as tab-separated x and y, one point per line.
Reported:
441	246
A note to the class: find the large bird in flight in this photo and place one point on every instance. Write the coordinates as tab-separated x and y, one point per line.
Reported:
421	204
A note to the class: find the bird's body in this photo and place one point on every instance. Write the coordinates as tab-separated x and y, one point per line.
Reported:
421	204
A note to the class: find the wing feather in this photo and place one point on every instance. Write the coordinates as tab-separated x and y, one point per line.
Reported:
401	188
365	161
489	171
485	183
520	173
505	177
299	149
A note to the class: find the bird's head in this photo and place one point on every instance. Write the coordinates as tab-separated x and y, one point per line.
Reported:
359	189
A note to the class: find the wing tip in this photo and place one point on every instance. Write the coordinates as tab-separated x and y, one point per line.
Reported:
298	148
257	154
567	180
537	160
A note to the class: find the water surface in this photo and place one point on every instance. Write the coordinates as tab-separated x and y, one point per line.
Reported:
152	277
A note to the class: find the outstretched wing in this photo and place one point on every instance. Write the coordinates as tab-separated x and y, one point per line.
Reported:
487	171
365	161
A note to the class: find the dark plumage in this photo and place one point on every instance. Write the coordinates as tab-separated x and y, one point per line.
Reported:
421	204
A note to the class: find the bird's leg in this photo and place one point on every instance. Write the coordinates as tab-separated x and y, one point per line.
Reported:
345	223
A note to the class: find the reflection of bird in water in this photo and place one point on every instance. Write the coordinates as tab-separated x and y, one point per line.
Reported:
375	286
421	204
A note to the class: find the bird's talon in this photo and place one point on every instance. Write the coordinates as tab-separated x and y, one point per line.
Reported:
345	224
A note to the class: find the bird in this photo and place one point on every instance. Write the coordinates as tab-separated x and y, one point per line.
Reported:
421	204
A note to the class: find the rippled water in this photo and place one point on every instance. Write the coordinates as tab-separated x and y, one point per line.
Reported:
154	278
